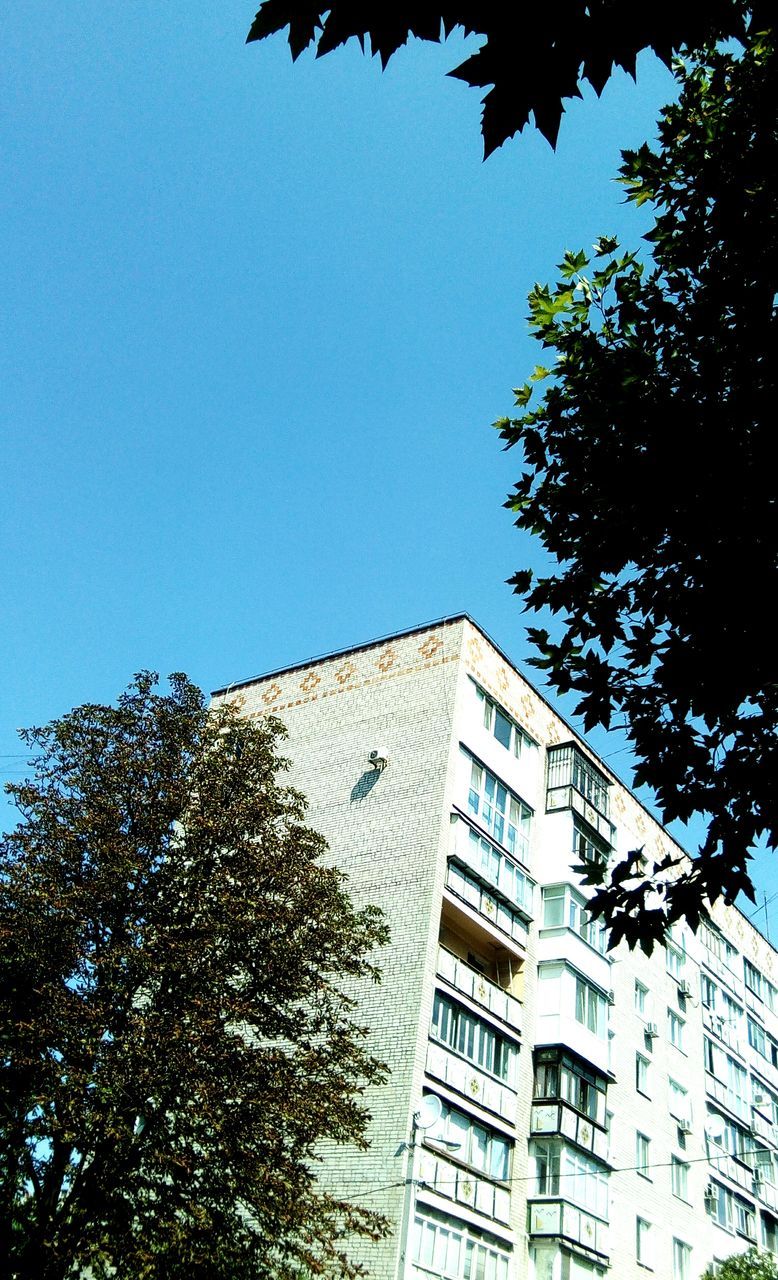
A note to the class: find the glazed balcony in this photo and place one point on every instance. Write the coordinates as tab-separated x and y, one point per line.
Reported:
446	1178
550	1119
472	1083
473	984
566	1221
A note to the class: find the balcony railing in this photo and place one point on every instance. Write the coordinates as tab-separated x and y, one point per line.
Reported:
562	1219
463	977
549	1118
462	1185
475	1085
495	912
722	1028
725	1165
763	1127
722	1094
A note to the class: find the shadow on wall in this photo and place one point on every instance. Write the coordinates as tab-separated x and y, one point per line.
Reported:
364	786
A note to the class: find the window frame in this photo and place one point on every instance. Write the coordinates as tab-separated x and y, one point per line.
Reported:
643	1242
679	1178
643	1155
519	740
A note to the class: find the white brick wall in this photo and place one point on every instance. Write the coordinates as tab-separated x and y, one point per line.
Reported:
411	698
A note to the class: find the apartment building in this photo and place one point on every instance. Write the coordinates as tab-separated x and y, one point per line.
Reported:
555	1111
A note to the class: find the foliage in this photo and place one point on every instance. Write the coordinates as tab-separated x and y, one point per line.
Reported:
175	1039
533	56
650	478
751	1265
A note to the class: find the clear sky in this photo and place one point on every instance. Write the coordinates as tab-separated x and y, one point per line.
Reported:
257	318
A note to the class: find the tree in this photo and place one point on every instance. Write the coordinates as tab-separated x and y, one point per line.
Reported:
751	1265
649	476
533	56
176	1039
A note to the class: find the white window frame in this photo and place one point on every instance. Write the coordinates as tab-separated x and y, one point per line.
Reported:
643	1242
519	740
643	1075
643	1155
506	817
676	1026
679	1178
682	1260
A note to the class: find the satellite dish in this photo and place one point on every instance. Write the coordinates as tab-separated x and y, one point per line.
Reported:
429	1112
715	1128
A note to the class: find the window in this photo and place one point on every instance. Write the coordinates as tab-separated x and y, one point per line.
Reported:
745	1219
753	979
675	1029
730	1211
642	1072
732	1012
675	961
475	1040
546	1157
564	908
678	1102
590	1007
643	1242
504	815
439	1247
737	1087
502	727
642	1155
679	1178
682	1261
563	1171
587	847
473	1143
718	1203
764	1100
760	986
499	870
769	1232
564	1078
716	944
641	999
708	991
567	766
764	1044
442	1250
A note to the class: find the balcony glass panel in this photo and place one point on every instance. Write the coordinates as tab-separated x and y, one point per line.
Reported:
471	982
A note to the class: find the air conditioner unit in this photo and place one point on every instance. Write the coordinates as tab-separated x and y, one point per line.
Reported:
611	997
685	1126
759	1099
758	1177
652	1029
684	989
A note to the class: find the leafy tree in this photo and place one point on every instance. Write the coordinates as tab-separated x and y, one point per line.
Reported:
175	1038
533	57
649	475
752	1265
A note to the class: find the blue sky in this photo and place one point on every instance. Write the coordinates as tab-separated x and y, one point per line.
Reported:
257	320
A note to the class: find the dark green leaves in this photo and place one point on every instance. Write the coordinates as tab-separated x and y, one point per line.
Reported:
648	474
175	1038
532	58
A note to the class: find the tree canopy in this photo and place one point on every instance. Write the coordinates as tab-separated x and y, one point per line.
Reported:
533	56
176	1039
649	476
751	1265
